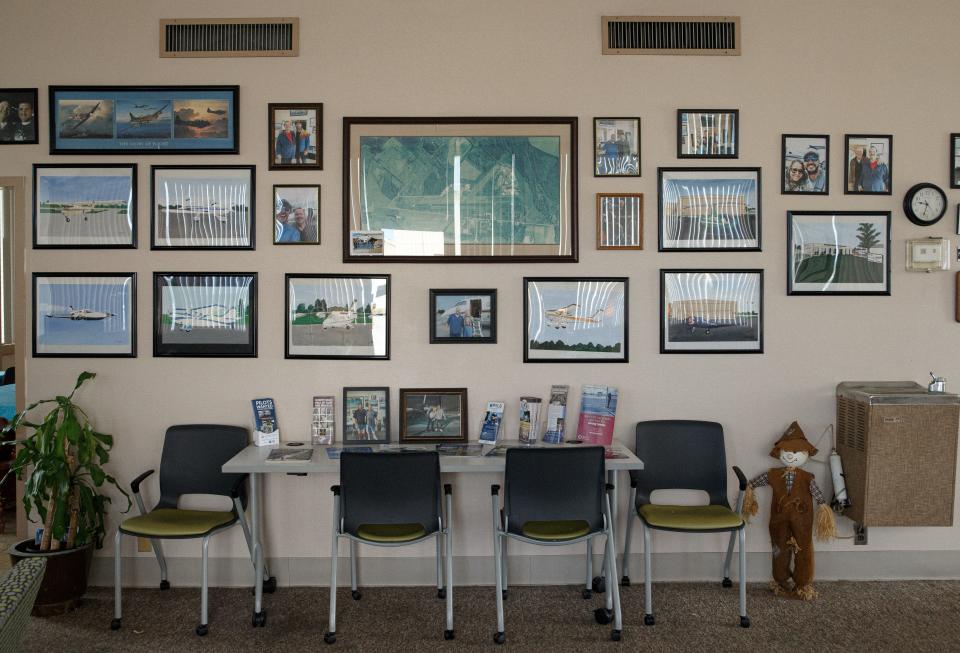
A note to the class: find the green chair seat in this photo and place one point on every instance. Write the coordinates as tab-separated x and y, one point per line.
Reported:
690	518
391	533
555	531
173	522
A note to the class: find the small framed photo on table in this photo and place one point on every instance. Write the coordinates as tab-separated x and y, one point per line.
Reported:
708	134
18	116
366	415
296	136
619	220
433	415
296	214
464	316
616	147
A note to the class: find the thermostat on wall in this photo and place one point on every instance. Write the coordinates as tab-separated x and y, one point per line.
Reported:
928	254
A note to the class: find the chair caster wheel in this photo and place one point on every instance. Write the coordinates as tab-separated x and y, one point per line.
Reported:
727	583
744	622
356	595
441	594
115	624
599	584
330	638
448	634
270	585
260	619
648	620
503	594
202	630
603	616
164	585
587	594
615	635
625	581
499	638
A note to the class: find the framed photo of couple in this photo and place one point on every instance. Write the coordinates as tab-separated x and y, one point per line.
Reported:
296	136
869	169
464	316
804	159
296	214
433	415
366	415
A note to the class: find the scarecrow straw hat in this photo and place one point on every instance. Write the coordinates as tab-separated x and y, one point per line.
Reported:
793	439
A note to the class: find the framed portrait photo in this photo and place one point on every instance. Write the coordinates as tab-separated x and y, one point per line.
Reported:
205	314
709	209
366	415
869	164
296	214
955	161
708	133
616	147
85	314
804	159
433	415
296	136
85	205
711	311
338	316
619	220
463	316
575	320
18	116
202	207
838	252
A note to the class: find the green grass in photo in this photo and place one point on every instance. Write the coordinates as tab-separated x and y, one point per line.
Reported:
849	269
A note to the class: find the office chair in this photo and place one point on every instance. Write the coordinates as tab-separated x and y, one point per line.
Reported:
190	464
685	454
390	499
555	497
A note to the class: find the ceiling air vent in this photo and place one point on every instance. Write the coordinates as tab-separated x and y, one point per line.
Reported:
695	35
229	37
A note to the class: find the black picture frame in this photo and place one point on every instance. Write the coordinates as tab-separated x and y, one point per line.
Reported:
954	158
602	166
202	317
475	298
209	212
349	424
716	115
341	290
811	147
278	227
81	211
13	134
81	315
602	298
708	326
273	133
850	186
407	412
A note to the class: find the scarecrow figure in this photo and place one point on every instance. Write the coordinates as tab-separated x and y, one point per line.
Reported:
792	516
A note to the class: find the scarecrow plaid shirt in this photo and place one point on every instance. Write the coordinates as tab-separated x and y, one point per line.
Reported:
788	477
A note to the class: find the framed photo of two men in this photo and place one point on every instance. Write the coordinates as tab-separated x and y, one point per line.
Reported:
296	136
18	116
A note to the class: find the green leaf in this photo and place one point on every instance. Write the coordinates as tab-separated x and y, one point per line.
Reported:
97	475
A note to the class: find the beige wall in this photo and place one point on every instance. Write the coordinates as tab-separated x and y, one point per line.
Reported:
831	67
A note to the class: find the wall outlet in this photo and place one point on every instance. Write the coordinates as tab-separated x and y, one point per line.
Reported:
143	545
859	534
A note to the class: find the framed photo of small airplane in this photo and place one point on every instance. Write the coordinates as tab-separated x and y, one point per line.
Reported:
463	316
90	205
144	119
85	314
429	416
203	207
203	314
575	320
711	311
337	316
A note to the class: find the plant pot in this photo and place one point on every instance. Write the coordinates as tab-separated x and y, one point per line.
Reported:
65	579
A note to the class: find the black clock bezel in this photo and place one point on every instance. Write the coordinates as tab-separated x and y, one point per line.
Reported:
908	208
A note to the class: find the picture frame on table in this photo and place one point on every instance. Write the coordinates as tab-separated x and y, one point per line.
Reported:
337	316
296	135
619	220
203	207
144	119
838	252
296	214
711	311
19	116
869	164
616	147
84	315
366	415
955	161
708	133
476	190
433	415
463	315
709	209
205	314
576	320
84	206
805	162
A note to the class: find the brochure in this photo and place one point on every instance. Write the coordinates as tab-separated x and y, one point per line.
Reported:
490	429
333	453
556	414
323	428
598	409
265	423
290	455
529	419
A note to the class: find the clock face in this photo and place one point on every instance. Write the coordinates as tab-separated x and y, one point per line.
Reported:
925	204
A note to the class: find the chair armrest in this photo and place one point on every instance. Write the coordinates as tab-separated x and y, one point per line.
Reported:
447	488
135	483
335	489
741	477
235	490
494	490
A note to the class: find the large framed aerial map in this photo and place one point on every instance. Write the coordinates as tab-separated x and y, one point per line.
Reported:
460	189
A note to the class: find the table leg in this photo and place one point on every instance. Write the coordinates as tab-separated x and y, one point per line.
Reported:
259	617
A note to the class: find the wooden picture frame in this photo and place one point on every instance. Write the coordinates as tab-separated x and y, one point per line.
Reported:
616	147
433	415
375	431
306	144
619	220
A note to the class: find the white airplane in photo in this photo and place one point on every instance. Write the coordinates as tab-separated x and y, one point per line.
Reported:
80	314
341	319
213	210
215	316
79	209
559	317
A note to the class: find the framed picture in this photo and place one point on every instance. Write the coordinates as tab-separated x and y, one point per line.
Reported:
708	134
205	314
433	415
296	215
869	169
460	189
144	119
18	116
619	220
202	207
91	205
711	311
296	136
838	252
804	159
366	415
465	316
955	161
616	147
575	320
85	314
709	209
338	316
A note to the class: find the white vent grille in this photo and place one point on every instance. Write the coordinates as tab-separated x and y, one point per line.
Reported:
230	37
692	35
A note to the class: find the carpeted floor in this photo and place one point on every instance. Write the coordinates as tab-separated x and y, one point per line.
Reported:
848	616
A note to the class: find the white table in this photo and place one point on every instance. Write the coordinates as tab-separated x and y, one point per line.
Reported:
253	461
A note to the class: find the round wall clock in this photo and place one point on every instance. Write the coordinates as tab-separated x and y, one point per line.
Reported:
925	204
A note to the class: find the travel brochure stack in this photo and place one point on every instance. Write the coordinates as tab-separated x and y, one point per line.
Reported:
529	419
323	428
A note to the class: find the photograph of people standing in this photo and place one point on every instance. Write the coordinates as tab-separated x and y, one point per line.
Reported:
297	214
18	116
805	158
295	136
869	168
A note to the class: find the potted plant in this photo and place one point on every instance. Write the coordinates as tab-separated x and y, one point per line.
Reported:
64	457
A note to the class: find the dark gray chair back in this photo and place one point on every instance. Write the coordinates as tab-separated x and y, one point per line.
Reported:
192	457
